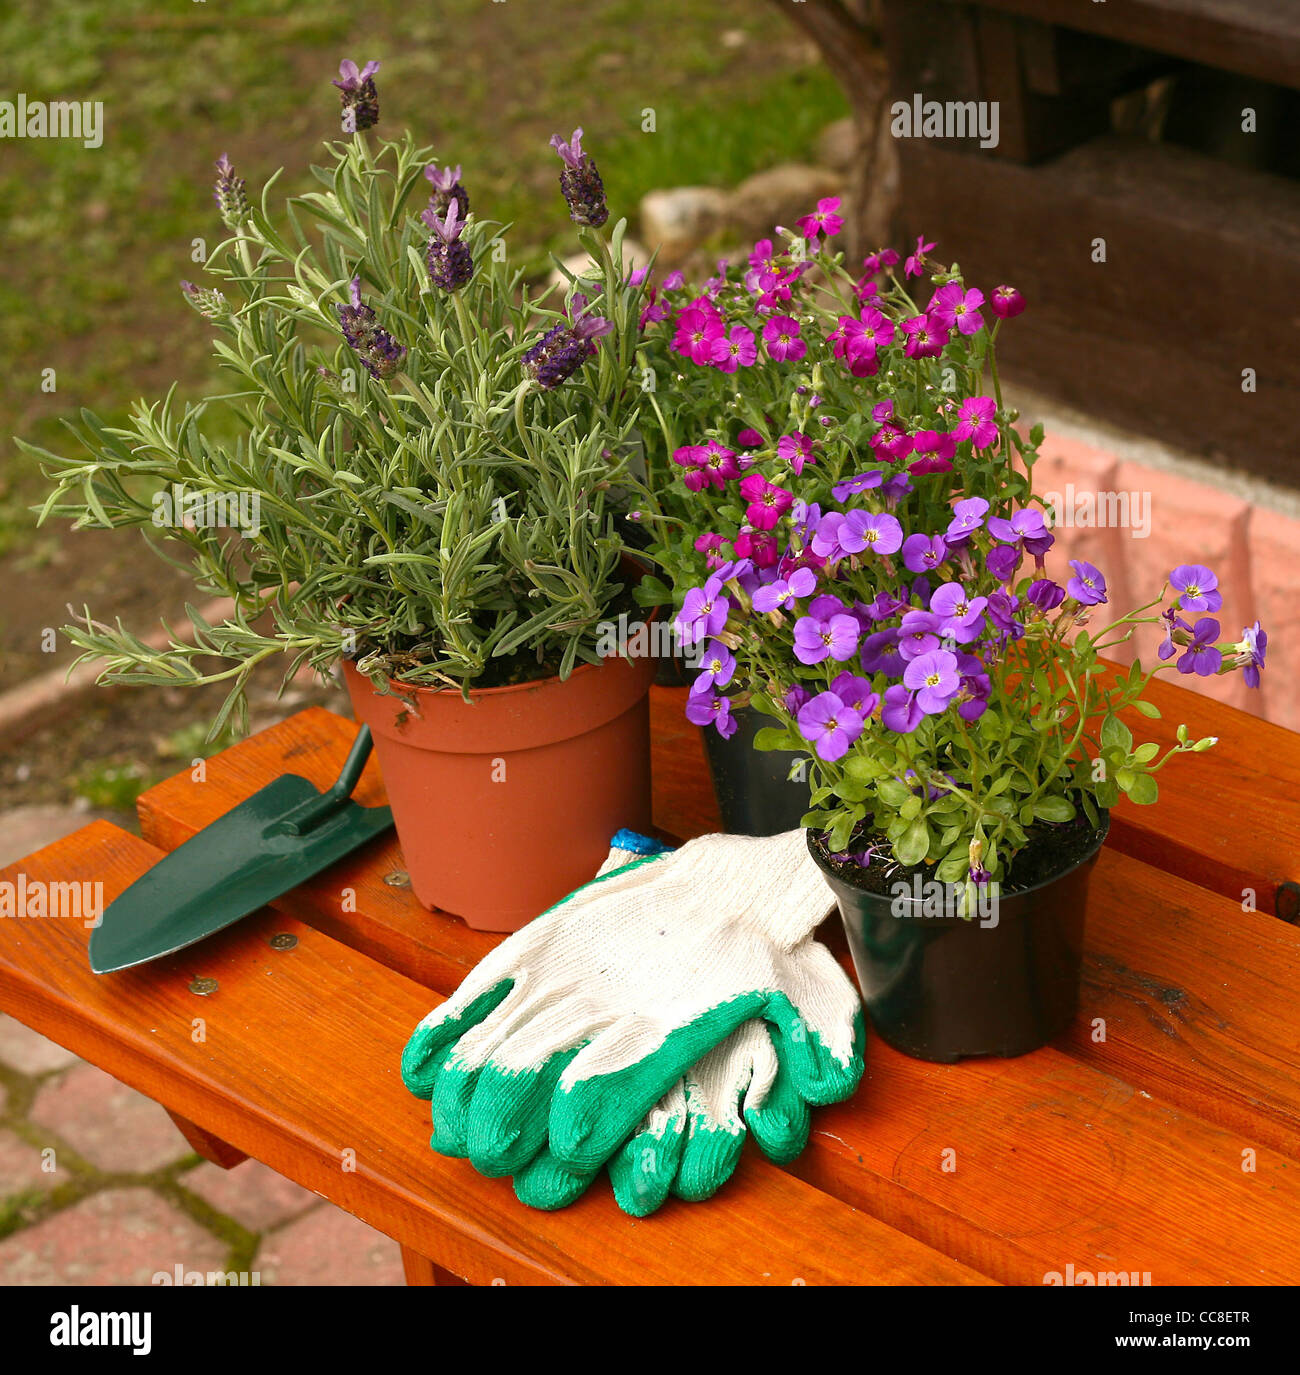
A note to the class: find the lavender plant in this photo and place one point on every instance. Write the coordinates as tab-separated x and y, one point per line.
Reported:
435	453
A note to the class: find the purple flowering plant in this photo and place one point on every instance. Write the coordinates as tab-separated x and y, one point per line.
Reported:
876	586
437	452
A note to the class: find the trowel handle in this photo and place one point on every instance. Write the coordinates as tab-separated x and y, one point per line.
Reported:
315	811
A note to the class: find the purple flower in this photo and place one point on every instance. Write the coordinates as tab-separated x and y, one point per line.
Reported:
820	637
1003	560
778	595
856	693
1254	647
229	194
967	517
863	482
1200	656
919	634
580	183
1001	611
794	698
1026	529
829	725
1088	586
1006	301
924	553
1045	594
704	708
357	95
449	261
717	664
900	711
896	488
976	421
781	335
956	308
447	187
934	679
878	532
381	354
796	449
1198	586
881	653
961	616
704	612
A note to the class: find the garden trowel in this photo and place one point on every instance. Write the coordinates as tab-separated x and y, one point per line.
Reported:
268	844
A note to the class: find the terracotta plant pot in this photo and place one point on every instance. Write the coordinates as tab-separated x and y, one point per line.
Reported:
506	802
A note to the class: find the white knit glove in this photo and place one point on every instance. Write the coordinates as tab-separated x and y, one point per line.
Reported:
571	1030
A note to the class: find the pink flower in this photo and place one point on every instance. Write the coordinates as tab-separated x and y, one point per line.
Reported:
796	449
976	421
758	545
926	337
936	450
1006	301
767	503
891	443
698	325
737	348
881	261
956	308
823	220
916	263
781	335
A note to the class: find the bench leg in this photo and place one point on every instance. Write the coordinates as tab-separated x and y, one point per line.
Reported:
422	1273
210	1147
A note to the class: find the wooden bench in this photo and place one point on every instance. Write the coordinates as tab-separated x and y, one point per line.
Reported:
1169	1147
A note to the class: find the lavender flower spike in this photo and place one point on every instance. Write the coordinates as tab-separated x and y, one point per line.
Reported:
447	187
562	350
584	192
229	194
377	349
449	260
209	302
358	96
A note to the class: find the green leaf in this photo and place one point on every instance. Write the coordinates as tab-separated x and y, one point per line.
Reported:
893	792
1055	809
774	738
1143	790
1145	753
1148	709
651	591
911	808
914	844
864	768
1115	734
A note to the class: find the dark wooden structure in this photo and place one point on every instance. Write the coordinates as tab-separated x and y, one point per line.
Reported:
1119	1153
1144	195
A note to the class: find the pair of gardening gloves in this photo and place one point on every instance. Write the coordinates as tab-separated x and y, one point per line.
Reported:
643	1023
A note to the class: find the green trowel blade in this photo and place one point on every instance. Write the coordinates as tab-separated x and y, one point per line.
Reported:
276	839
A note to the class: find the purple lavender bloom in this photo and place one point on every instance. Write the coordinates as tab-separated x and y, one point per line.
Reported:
1198	586
229	194
778	595
1045	594
900	711
563	349
711	708
1201	657
1003	560
357	95
704	612
967	517
1254	647
851	486
829	725
880	653
580	182
1088	586
923	553
919	634
447	187
717	664
961	616
855	692
817	638
381	354
449	260
934	679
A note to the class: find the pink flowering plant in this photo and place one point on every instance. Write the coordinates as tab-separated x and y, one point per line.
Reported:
859	556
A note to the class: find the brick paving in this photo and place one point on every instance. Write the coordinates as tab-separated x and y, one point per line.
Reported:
127	1200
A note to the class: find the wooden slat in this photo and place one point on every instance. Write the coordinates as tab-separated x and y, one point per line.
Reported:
298	1067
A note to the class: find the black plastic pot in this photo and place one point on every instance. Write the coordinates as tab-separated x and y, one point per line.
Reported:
944	987
755	793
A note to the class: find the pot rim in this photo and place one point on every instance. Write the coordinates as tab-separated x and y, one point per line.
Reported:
833	876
